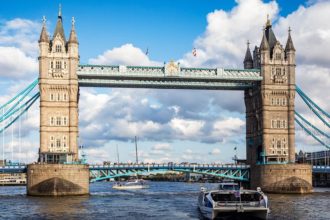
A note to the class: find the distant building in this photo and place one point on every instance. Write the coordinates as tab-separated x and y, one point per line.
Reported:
318	158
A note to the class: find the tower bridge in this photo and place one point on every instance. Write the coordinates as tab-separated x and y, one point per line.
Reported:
268	82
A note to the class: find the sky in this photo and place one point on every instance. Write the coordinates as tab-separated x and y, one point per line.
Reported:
171	125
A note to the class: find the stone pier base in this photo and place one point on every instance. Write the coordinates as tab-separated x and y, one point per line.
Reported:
57	180
282	178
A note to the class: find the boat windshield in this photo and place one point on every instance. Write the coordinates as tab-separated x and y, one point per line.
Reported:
229	187
232	197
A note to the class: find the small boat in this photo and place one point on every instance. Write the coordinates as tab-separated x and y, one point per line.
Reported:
137	184
231	201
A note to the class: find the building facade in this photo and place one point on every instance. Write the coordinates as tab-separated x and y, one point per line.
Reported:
58	62
270	134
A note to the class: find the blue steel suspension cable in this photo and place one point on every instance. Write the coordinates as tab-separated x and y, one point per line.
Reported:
310	133
34	83
30	88
17	109
301	93
21	113
313	109
311	125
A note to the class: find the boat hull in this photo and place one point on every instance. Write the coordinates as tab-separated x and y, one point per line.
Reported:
239	213
129	187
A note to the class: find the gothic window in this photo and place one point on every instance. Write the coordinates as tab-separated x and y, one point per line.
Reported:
51	120
64	97
64	65
51	97
278	124
58	121
278	56
58	97
278	71
284	101
51	65
58	48
278	144
64	121
278	101
64	141
58	65
58	142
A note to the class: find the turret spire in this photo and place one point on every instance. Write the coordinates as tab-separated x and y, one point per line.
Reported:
59	26
289	44
248	61
264	43
73	35
60	11
43	35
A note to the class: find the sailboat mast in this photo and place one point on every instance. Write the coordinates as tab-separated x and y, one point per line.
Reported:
117	153
136	153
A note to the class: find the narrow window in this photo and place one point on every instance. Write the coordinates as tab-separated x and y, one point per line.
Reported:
51	97
64	121
58	97
58	142
51	120
64	97
58	121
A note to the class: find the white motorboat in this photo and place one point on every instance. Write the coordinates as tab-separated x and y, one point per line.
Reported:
137	184
231	201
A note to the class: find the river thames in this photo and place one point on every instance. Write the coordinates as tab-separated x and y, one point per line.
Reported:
163	200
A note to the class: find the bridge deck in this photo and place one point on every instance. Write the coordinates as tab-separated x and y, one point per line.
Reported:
163	78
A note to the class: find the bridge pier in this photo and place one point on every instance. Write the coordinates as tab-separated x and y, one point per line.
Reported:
282	178
57	179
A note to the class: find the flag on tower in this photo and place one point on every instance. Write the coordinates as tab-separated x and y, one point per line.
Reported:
194	52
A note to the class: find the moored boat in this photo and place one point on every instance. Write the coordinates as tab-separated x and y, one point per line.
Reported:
137	184
231	201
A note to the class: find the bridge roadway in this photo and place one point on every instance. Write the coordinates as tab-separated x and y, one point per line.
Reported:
170	76
103	172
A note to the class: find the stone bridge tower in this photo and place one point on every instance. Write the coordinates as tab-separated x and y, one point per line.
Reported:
59	171
58	64
270	128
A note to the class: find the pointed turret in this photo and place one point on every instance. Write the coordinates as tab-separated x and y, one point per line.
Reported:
73	35
270	36
289	44
248	61
290	51
59	25
264	43
43	35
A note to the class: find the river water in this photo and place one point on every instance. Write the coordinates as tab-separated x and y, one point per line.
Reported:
163	200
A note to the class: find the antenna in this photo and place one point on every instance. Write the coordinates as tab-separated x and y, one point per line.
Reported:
117	153
136	153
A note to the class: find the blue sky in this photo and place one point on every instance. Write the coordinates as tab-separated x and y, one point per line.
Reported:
109	30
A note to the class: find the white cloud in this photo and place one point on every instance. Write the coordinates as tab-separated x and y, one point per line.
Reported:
188	128
15	64
215	151
223	42
162	147
127	54
19	49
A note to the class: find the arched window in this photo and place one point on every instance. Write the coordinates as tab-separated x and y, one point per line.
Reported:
58	48
51	120
58	121
58	65
64	97
64	121
58	142
278	144
51	97
58	97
